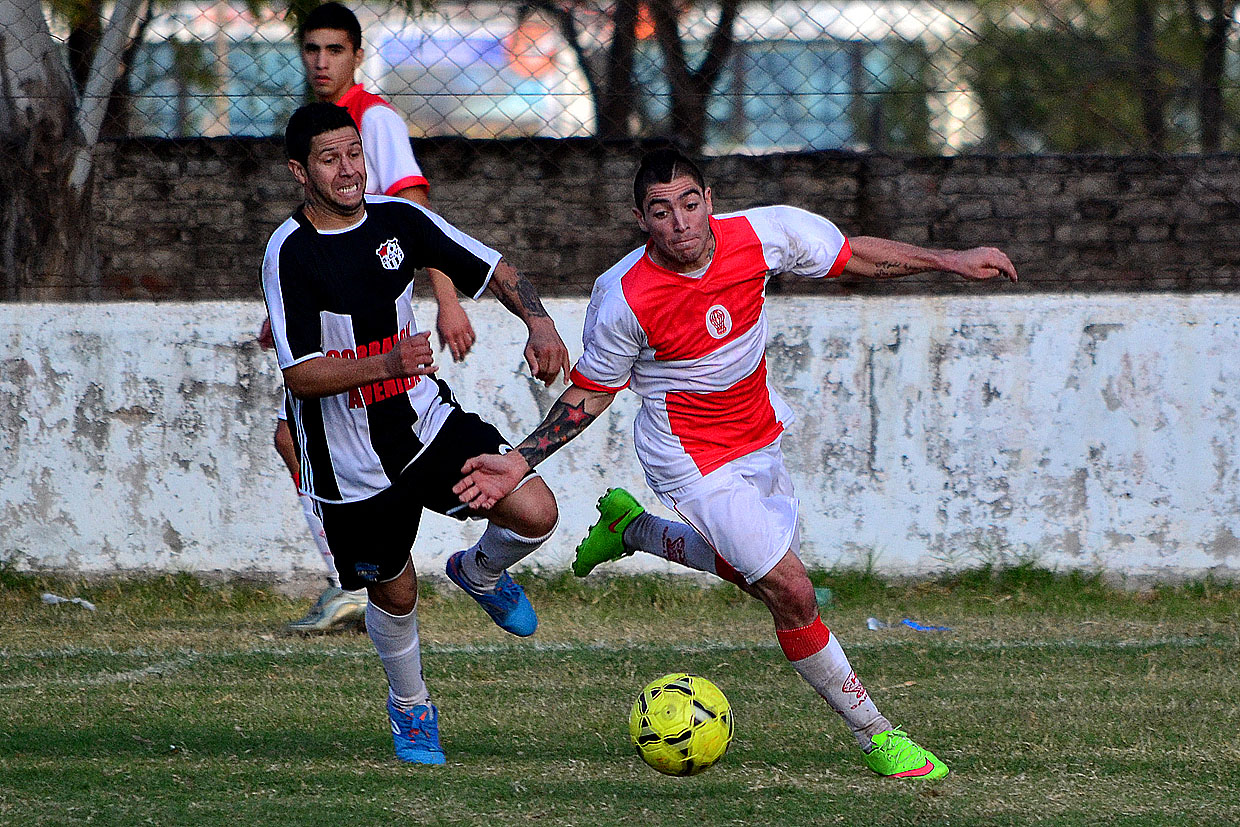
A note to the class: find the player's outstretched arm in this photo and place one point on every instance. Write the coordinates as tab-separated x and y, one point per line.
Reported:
544	351
882	258
456	333
491	477
325	376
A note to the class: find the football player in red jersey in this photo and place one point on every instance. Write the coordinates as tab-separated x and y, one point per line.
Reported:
682	322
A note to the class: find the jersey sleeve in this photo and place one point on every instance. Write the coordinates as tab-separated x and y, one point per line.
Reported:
464	259
800	242
611	341
295	326
389	156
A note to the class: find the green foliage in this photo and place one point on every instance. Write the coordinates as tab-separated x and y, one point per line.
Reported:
1046	90
1119	76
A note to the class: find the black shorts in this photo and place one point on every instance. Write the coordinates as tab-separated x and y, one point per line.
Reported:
371	539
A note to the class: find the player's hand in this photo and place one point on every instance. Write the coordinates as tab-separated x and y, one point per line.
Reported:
982	263
546	354
455	331
489	478
412	356
264	338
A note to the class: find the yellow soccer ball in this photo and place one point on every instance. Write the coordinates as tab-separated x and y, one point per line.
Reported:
681	724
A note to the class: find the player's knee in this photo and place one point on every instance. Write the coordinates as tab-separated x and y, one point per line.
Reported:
398	606
790	599
541	517
530	511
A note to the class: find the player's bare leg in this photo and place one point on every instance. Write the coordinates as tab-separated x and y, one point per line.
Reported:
820	660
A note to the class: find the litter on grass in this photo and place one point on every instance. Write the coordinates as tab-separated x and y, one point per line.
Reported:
874	624
52	599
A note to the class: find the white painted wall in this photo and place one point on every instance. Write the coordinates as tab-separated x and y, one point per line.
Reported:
1079	432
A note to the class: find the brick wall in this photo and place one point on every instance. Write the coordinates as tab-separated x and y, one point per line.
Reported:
189	219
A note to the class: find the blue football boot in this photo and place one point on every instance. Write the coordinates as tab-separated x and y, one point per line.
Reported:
507	605
416	733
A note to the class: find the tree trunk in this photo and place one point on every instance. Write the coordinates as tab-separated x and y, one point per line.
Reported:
47	237
1213	66
47	234
1147	64
610	76
690	89
615	105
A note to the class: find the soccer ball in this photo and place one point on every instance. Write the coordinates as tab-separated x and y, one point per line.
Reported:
681	724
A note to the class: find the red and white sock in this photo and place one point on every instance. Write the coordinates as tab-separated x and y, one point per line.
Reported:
315	524
818	658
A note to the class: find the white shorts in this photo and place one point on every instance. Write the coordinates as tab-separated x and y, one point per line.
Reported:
746	509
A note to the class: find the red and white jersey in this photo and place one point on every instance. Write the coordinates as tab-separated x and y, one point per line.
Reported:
390	165
693	346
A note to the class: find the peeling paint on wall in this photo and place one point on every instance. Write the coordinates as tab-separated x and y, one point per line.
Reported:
932	433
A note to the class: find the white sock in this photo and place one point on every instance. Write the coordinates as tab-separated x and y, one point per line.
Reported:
396	640
497	550
678	543
320	537
821	662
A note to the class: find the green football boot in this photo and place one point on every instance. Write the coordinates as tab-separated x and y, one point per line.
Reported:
605	542
896	755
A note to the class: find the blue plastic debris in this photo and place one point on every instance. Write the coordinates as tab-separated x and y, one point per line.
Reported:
913	624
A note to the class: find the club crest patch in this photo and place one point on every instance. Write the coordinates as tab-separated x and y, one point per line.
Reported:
718	321
390	254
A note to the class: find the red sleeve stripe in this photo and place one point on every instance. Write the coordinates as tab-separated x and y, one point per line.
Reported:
406	182
582	382
799	644
840	260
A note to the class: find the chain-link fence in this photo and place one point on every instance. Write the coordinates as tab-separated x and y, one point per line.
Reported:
921	77
194	94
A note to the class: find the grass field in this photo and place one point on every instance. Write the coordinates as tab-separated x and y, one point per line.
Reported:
1055	700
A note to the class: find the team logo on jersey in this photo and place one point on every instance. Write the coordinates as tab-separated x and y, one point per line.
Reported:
390	254
718	321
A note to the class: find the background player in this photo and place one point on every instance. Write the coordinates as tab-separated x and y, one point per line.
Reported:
378	438
331	53
682	322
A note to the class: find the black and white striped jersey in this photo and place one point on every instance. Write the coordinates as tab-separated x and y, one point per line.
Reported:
348	294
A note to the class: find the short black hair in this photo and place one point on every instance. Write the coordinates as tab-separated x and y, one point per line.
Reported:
310	121
332	16
660	166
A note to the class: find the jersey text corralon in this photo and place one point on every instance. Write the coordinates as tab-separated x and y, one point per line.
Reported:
376	391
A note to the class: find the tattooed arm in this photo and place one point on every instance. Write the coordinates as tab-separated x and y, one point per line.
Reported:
491	477
881	258
545	351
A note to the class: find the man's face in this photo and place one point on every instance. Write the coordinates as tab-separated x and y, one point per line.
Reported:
677	217
334	177
330	61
